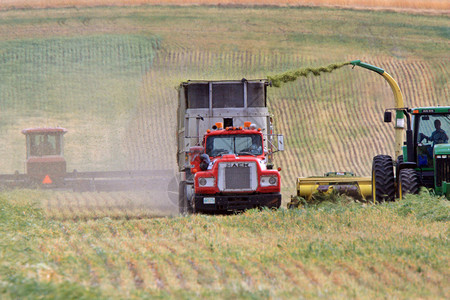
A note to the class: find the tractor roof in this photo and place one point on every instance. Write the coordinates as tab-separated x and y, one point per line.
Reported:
40	130
431	110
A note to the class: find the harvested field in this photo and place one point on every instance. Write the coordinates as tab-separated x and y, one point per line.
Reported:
335	251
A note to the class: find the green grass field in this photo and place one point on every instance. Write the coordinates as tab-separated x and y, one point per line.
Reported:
108	75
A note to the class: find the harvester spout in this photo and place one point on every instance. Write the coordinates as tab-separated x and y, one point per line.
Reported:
398	97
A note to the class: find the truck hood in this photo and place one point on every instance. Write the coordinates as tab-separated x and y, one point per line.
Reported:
237	159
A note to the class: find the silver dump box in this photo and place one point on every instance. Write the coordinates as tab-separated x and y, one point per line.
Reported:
204	103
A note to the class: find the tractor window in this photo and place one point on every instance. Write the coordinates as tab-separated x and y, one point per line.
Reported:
430	130
45	144
433	129
248	144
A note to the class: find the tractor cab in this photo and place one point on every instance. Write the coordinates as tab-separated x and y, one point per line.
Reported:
426	154
430	130
45	156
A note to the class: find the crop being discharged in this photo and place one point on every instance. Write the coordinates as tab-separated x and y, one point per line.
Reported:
289	76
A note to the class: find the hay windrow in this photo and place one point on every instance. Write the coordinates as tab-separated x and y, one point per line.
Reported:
279	79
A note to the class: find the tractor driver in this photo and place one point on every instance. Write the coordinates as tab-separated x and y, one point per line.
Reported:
438	136
45	147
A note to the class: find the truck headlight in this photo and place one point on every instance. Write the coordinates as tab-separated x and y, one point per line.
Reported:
268	181
206	181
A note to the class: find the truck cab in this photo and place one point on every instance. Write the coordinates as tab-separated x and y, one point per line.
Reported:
225	147
233	175
45	155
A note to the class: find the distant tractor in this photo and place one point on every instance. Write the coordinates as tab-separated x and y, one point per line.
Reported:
45	155
425	160
46	168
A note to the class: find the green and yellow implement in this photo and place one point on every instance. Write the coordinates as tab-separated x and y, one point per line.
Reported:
422	161
345	182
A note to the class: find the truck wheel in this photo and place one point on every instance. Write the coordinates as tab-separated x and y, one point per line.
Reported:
182	202
383	184
408	182
190	206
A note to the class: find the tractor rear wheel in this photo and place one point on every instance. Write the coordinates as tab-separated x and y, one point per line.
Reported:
408	182
383	183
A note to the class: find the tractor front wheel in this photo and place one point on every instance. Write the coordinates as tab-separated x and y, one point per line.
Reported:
408	182
383	183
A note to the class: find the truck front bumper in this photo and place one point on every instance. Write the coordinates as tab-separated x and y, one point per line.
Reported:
221	203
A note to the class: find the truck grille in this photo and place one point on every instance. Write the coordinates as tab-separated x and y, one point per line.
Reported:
442	169
237	177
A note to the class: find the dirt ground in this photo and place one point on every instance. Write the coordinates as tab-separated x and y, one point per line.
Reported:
419	6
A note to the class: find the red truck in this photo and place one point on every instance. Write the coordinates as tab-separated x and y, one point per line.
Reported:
225	147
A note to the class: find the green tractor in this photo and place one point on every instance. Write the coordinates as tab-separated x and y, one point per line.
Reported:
426	156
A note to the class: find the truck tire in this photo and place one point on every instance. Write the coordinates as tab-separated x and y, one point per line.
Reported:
182	203
185	205
383	183
408	182
190	209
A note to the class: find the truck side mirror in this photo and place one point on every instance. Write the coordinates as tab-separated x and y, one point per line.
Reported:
280	143
387	117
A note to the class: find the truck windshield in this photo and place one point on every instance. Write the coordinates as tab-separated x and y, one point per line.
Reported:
433	129
242	144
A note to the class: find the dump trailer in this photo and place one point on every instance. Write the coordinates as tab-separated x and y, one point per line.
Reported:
425	158
46	168
225	147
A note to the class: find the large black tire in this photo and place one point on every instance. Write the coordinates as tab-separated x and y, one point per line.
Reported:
383	183
408	182
182	202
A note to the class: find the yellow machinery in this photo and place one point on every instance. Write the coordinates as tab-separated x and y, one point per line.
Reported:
339	182
345	182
